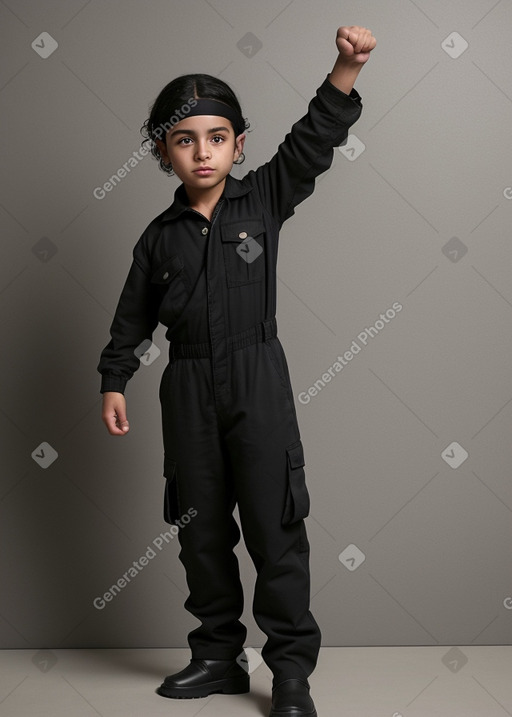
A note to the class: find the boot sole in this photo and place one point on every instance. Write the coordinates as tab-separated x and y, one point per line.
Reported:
231	686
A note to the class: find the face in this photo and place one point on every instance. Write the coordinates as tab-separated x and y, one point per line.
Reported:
202	150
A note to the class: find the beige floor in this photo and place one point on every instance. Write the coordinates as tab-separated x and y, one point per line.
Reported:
348	682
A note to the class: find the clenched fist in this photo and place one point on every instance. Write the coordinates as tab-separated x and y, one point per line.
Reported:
355	43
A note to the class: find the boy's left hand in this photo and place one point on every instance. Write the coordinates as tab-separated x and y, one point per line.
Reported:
355	44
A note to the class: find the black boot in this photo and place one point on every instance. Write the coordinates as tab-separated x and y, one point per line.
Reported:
291	699
205	677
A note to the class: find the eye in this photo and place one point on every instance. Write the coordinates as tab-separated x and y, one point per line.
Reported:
185	140
218	139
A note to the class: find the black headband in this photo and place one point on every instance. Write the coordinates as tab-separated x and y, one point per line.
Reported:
214	107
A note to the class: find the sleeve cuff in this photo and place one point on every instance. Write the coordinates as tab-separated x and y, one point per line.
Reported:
338	97
113	383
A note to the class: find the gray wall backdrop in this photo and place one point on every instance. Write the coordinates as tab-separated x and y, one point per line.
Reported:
408	447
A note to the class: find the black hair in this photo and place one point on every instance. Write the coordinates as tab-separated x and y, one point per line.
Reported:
173	101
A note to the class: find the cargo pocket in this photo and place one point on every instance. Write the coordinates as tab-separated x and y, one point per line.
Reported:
242	245
297	497
171	498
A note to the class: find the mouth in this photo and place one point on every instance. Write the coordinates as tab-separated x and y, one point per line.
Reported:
204	171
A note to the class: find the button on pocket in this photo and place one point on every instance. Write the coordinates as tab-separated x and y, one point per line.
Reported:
243	244
297	497
172	287
168	270
171	498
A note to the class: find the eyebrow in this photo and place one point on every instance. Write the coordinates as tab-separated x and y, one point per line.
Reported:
190	131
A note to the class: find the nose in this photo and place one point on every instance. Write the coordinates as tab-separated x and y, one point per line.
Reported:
202	151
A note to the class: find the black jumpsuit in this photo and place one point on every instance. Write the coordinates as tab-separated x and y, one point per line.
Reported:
229	423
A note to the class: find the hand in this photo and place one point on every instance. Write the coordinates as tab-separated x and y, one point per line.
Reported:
354	44
114	413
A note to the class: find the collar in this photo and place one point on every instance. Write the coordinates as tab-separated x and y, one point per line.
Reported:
233	188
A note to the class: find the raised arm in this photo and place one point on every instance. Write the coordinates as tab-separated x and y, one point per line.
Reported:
307	150
354	45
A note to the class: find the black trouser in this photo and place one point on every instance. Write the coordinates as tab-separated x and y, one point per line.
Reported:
242	446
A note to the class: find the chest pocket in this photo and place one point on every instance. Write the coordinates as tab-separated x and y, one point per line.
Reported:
171	281
243	244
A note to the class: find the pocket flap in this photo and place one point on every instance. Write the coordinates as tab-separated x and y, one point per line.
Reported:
296	455
168	270
239	231
297	496
169	468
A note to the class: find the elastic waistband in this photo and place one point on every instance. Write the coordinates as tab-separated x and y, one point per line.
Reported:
261	332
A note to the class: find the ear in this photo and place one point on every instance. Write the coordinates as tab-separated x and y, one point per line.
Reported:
163	149
239	145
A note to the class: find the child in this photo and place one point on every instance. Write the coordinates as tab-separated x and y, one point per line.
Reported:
206	269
